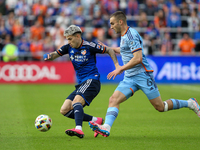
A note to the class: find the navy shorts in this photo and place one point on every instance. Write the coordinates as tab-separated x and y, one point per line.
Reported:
89	89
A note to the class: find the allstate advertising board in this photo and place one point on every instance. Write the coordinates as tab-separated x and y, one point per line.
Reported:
173	69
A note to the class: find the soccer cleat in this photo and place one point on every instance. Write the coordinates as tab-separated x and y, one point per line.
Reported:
99	129
75	132
96	131
100	122
195	106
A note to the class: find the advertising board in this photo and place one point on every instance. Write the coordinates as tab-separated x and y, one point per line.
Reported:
37	72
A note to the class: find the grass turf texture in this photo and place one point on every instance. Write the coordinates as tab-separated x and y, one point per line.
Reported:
138	126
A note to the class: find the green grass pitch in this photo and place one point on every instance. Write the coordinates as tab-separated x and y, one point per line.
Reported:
138	126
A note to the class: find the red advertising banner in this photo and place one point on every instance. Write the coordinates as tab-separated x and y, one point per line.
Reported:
37	72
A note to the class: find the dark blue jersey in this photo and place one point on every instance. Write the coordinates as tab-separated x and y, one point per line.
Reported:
83	59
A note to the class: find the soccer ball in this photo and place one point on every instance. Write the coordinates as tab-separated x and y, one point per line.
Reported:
43	123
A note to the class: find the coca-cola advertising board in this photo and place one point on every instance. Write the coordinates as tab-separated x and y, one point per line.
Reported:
37	72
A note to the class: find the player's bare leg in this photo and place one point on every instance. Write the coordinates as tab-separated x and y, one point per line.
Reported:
112	113
77	104
171	104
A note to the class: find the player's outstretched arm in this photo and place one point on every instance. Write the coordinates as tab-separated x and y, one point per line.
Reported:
134	61
113	56
116	49
51	56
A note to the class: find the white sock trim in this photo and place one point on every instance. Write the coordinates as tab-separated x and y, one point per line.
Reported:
107	126
79	127
165	106
94	119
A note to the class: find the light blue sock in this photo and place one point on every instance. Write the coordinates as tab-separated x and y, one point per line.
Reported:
179	103
111	115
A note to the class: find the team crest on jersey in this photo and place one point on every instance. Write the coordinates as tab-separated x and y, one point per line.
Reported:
132	43
72	51
98	46
83	52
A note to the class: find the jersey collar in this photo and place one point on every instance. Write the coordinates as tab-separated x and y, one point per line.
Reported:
125	31
81	44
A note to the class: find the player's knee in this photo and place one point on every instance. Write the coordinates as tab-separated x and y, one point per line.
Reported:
64	111
113	100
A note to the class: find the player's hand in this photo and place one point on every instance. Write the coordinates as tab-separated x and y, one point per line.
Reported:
46	56
100	43
114	73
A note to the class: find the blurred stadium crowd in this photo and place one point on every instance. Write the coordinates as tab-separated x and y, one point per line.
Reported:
30	28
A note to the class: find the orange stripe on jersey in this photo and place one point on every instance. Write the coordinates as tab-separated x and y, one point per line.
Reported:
59	53
81	44
104	50
146	68
132	91
125	31
138	49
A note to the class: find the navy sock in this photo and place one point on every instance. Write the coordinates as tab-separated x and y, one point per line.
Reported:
78	113
87	117
70	114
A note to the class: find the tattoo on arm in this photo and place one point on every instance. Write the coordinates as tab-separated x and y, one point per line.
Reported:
112	55
53	55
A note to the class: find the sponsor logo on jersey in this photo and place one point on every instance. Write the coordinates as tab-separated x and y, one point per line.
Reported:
72	58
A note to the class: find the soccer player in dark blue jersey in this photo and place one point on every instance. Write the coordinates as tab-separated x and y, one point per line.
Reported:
83	57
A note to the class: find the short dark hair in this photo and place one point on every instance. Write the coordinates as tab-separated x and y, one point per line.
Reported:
119	15
77	33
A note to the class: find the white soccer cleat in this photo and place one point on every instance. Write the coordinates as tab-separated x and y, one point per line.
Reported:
194	106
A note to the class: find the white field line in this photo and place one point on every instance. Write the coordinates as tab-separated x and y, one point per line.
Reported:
188	87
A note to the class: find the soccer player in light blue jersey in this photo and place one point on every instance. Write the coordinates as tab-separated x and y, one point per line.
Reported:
83	57
138	76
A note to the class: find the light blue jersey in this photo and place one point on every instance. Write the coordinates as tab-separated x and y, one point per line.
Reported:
140	77
132	42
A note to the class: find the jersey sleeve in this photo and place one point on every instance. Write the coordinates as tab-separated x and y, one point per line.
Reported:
134	42
96	48
63	50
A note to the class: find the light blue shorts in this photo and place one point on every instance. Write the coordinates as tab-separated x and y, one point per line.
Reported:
144	81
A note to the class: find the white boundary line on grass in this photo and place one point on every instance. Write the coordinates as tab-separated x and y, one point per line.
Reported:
188	87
